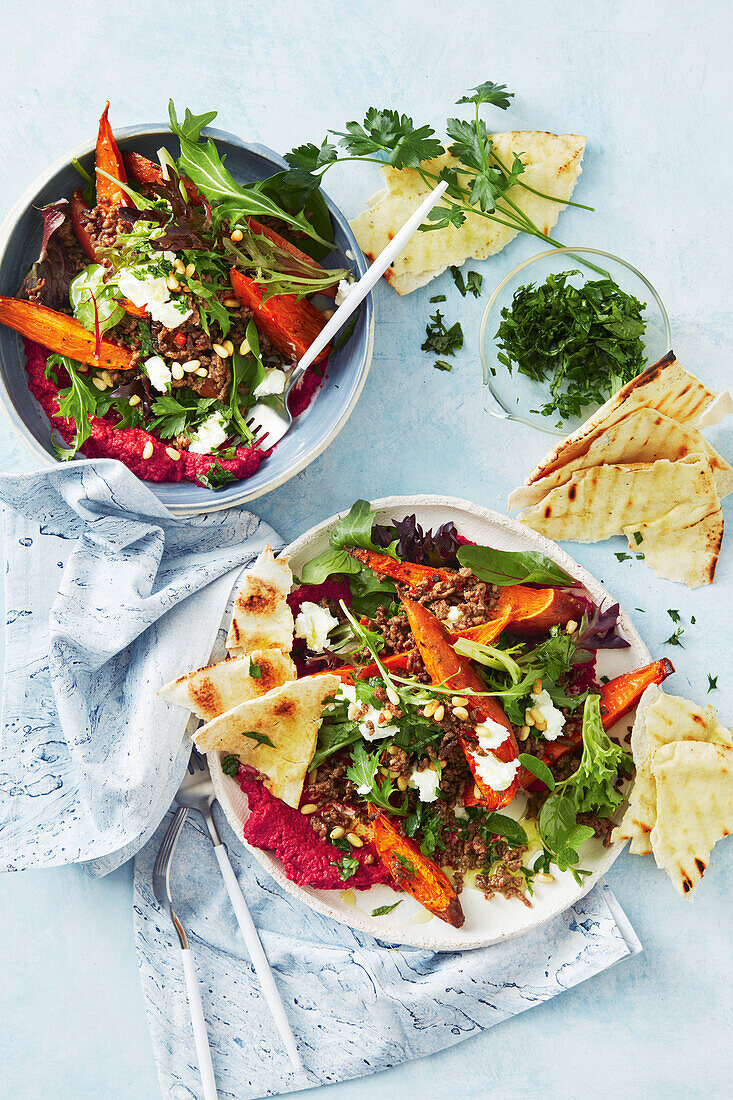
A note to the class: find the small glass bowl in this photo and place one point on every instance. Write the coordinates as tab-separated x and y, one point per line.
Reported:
513	396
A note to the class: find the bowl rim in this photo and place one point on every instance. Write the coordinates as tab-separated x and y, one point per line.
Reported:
500	411
240	493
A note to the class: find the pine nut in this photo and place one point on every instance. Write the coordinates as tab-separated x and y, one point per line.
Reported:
430	708
354	840
244	348
309	808
571	626
457	701
173	453
544	876
312	776
439	713
231	303
228	347
393	696
191	365
107	377
461	713
221	351
393	774
135	399
148	450
172	283
179	267
523	733
237	235
539	719
402	782
99	384
337	833
177	371
190	270
528	719
202	372
536	687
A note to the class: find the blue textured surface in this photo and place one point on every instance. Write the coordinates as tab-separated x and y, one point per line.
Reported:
648	84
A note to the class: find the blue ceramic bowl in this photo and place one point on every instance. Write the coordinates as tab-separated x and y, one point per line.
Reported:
20	238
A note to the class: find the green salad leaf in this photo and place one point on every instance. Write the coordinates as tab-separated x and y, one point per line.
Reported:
505	567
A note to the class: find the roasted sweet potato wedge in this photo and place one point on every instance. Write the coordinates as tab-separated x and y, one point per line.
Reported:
415	873
61	334
291	325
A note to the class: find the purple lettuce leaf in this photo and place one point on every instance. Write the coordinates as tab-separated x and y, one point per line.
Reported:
599	628
49	278
422	547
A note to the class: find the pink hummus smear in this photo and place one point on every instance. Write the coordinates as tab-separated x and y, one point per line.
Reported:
306	859
127	444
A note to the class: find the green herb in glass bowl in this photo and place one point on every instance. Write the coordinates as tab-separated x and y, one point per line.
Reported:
586	339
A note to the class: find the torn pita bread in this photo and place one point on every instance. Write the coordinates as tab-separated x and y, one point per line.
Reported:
665	386
607	500
683	545
552	165
645	435
261	618
694	784
660	720
210	691
289	716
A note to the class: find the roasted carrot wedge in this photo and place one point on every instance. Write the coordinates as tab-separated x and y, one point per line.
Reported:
396	662
617	699
445	666
142	170
620	695
404	572
109	159
291	325
415	873
61	334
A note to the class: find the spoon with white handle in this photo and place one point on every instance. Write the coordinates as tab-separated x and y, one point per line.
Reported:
269	422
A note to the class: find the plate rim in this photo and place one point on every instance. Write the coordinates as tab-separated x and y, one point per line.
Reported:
358	921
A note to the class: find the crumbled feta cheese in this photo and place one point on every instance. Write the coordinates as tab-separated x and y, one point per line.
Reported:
342	292
209	435
460	812
426	783
373	724
313	623
273	382
158	372
148	291
453	615
555	718
497	774
491	734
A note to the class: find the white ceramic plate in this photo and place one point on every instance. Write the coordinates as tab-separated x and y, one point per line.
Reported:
487	922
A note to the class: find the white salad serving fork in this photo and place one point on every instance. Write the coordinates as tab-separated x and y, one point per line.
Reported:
269	420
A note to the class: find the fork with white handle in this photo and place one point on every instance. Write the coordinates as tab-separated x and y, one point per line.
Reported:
269	422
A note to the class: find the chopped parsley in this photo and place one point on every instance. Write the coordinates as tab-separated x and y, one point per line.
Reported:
437	298
255	670
674	614
674	639
441	364
623	557
216	477
586	341
639	537
440	339
712	683
384	909
405	862
346	867
230	765
470	285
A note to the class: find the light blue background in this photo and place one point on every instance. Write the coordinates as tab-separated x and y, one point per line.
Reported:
648	83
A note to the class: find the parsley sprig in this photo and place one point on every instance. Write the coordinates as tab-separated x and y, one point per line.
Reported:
478	184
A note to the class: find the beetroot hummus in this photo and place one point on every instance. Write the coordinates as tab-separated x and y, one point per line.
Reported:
307	860
128	444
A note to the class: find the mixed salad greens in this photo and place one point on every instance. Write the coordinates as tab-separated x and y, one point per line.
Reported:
468	686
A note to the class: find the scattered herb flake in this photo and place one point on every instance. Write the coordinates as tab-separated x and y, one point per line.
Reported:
437	298
441	364
346	867
470	285
382	910
712	683
230	765
624	557
674	614
255	670
439	338
639	537
674	639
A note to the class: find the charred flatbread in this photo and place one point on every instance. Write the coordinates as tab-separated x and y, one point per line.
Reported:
261	618
210	691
